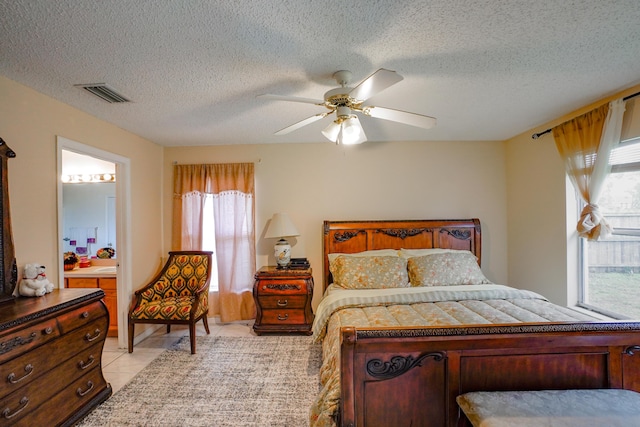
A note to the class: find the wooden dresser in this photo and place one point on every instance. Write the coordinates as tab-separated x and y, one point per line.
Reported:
50	357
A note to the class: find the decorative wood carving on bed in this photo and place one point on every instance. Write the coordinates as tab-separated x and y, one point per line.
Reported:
411	376
8	268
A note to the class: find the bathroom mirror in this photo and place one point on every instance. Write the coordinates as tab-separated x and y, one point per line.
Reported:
88	205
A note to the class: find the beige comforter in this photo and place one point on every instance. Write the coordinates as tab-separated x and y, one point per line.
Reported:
429	306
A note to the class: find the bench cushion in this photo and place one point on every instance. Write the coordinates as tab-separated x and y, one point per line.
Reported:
557	408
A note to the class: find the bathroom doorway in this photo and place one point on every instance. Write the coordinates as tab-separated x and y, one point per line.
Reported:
93	215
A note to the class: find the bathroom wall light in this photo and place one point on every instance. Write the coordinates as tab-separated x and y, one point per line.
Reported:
88	178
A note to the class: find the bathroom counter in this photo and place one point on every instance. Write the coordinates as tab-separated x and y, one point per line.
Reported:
93	271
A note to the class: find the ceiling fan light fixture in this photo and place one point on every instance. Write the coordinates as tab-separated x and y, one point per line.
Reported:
345	130
331	131
351	132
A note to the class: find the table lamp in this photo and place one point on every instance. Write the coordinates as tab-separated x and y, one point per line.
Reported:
281	227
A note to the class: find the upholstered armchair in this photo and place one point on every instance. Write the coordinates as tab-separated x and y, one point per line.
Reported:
179	294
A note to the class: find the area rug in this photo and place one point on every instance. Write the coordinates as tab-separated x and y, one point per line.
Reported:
231	381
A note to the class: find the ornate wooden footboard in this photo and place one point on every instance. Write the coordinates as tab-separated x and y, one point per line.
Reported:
411	377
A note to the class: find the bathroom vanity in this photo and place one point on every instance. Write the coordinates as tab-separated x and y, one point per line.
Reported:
98	276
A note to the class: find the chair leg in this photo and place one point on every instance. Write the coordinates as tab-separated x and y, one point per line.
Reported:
206	324
168	327
192	337
131	331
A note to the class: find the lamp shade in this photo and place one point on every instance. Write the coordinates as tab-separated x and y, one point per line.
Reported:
281	226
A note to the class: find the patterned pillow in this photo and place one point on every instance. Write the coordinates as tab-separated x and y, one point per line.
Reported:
374	272
374	252
444	269
410	253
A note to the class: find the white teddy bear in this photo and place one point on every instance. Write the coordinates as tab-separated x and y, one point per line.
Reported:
34	282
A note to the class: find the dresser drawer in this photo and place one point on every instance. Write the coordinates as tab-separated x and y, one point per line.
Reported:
84	337
14	344
28	397
277	317
282	287
282	301
59	406
82	316
30	366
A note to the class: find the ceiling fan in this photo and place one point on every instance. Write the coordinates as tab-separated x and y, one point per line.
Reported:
345	101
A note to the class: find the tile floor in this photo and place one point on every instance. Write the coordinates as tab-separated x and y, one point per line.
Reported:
120	367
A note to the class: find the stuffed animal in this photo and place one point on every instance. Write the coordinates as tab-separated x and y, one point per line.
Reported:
34	281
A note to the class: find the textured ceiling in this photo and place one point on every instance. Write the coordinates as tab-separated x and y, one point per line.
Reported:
487	70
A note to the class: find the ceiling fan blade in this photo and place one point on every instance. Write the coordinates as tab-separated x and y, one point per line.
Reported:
302	123
399	116
291	99
376	82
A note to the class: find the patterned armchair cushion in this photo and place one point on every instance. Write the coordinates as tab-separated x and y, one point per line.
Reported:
172	308
183	277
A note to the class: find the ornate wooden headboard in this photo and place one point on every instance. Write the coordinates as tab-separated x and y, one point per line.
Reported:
358	236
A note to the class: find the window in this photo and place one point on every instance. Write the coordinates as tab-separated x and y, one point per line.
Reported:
611	273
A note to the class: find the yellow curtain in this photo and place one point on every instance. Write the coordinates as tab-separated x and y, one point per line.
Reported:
585	143
233	191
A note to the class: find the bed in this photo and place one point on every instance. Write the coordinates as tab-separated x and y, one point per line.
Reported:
398	355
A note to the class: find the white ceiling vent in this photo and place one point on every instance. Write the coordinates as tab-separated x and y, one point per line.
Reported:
103	91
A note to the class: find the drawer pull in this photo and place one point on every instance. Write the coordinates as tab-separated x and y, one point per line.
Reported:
285	317
95	336
12	376
84	365
282	303
7	346
48	331
8	414
81	393
84	314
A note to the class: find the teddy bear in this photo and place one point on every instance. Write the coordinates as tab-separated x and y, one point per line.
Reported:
34	281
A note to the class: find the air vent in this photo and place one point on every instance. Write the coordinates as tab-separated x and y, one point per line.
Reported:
104	92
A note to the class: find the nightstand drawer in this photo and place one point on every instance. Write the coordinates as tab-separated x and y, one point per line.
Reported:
283	301
290	317
282	287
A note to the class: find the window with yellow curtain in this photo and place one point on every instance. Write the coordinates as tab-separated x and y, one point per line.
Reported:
611	266
219	197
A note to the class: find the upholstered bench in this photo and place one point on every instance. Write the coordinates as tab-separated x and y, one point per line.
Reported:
552	408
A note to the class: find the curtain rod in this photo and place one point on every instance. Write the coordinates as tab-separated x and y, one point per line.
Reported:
538	135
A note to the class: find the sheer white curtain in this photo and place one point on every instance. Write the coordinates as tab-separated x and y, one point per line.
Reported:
234	232
585	145
227	192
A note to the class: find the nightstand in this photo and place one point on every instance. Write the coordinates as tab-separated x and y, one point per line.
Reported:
283	300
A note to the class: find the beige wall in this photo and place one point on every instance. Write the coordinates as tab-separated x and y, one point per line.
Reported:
29	124
393	180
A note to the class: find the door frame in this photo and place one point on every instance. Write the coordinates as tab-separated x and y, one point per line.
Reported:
123	223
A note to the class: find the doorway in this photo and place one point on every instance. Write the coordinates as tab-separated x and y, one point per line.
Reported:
113	225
